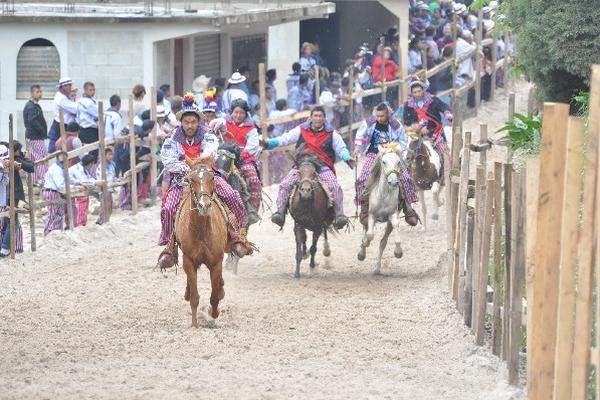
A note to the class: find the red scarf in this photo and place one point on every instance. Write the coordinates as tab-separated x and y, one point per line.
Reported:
423	115
314	143
238	134
191	150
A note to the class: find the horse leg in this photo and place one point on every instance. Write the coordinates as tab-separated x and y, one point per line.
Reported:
313	248
366	240
186	296
395	224
437	202
423	208
300	234
192	283
217	290
326	248
382	245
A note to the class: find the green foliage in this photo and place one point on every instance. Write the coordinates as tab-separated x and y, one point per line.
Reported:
557	42
582	100
478	4
523	133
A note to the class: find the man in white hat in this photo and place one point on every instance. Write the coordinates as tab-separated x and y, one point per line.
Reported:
234	91
62	101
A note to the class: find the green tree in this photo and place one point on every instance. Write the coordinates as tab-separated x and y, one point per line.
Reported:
557	41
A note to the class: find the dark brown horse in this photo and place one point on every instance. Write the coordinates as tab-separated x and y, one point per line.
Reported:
201	233
310	207
426	168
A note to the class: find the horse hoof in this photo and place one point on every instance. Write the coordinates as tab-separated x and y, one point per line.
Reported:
398	252
305	256
435	217
296	275
376	271
213	313
326	252
361	255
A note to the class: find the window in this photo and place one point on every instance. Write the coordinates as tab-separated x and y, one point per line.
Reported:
38	63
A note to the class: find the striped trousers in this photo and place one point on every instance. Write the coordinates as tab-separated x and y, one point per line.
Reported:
408	184
81	210
5	232
57	213
325	175
250	173
103	214
38	151
171	202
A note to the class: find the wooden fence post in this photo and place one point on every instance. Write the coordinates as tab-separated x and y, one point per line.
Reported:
517	276
480	202
507	251
454	182
461	222
65	161
587	257
102	150
31	200
153	157
262	82
496	324
12	204
486	237
552	165
494	67
533	183
568	241
351	107
132	167
511	117
454	64
530	101
317	86
478	34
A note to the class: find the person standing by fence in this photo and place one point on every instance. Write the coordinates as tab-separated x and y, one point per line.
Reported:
87	116
62	101
80	175
36	131
111	177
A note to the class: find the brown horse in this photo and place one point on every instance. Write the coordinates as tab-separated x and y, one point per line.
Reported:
201	233
426	170
310	208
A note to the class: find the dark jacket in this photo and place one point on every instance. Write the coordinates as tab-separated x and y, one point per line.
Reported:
27	166
35	124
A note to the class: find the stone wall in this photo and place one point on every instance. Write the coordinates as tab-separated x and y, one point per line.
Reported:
113	60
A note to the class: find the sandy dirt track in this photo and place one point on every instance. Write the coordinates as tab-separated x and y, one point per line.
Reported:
87	317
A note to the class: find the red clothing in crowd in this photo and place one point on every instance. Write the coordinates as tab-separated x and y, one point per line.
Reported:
391	70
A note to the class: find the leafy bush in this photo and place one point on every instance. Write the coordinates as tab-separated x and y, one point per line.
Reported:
557	42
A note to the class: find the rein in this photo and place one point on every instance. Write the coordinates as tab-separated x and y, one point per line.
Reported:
196	196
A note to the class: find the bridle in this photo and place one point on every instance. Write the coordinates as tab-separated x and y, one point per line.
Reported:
311	181
197	196
394	170
230	155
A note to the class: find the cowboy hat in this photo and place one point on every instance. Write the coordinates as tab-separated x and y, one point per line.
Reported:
236	78
200	84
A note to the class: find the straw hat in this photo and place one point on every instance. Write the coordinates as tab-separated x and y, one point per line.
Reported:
64	82
200	84
236	78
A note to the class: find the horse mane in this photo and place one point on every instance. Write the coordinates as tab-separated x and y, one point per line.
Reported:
206	160
302	156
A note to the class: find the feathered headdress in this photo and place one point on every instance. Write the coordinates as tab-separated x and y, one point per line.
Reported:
189	106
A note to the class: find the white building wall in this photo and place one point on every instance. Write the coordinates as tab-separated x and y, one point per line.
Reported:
282	52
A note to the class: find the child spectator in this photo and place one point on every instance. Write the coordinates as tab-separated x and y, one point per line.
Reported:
81	176
110	178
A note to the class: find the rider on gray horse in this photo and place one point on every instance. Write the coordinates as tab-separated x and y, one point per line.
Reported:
382	128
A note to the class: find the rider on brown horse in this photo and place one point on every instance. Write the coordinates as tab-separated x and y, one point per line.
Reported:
190	141
423	113
382	128
324	142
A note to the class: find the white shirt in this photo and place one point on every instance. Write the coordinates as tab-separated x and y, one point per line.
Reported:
79	176
69	107
87	112
325	98
54	178
113	124
465	67
232	94
280	128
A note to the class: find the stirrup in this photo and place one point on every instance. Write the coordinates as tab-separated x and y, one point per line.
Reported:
340	222
278	218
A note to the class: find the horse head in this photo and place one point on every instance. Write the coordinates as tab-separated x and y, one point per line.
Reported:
201	180
392	163
308	165
227	157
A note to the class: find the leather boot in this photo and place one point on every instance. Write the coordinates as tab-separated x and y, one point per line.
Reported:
340	221
278	218
410	215
168	257
239	244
